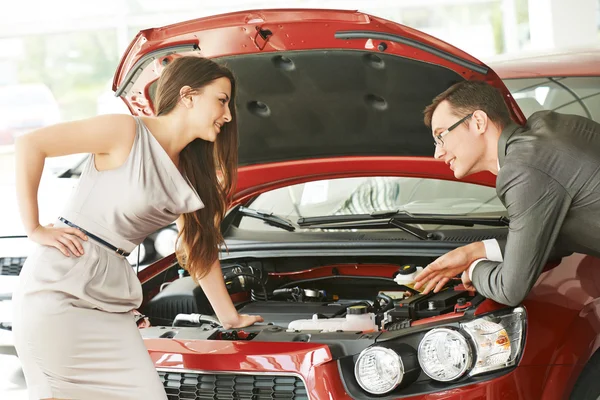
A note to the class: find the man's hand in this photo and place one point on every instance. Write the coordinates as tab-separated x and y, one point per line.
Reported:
467	282
448	266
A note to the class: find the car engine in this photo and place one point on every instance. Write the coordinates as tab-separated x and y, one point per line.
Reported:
297	308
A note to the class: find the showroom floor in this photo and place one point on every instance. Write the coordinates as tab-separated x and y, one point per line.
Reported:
12	382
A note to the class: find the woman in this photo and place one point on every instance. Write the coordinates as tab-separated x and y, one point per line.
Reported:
74	325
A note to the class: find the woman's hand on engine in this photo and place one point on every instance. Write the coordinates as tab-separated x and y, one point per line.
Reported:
243	320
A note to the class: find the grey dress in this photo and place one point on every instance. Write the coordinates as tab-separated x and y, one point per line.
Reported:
74	328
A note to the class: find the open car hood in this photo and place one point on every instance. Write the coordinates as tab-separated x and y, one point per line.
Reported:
312	83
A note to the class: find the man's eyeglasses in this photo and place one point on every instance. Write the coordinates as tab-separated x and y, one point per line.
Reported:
438	138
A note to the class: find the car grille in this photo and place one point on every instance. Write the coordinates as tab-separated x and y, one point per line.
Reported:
11	265
193	385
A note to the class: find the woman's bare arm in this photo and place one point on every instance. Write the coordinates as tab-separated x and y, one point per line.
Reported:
214	288
107	136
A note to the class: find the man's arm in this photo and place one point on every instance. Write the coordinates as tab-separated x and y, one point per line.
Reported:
493	252
537	206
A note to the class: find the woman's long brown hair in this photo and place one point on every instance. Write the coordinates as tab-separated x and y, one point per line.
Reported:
210	167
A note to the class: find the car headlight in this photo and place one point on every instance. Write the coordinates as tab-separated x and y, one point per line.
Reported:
379	370
445	354
484	344
497	339
165	242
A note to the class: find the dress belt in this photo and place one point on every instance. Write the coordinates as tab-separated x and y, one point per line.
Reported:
120	252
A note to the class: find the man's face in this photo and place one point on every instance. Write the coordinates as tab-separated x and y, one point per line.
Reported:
462	147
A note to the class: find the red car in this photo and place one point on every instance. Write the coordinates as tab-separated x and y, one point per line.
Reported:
339	203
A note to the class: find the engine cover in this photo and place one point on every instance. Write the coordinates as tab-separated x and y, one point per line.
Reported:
181	296
283	312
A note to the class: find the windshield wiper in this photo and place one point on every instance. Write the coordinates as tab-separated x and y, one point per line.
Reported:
375	218
268	218
376	223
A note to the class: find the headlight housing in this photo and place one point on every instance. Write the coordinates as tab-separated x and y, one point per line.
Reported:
484	344
379	370
498	340
445	354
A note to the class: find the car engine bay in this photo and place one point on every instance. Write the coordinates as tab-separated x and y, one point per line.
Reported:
332	303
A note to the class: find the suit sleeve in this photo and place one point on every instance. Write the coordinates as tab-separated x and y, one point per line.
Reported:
537	206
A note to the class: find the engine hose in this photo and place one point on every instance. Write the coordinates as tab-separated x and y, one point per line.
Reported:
254	296
255	280
287	291
388	299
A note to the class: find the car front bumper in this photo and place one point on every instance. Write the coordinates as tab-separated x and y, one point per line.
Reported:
318	375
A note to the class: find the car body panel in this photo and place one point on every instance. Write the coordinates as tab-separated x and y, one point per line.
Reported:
298	38
564	63
237	34
563	315
255	179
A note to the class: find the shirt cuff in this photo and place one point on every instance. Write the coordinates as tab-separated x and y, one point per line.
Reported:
492	250
473	265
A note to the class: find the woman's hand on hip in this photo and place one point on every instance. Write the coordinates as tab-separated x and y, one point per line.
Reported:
67	240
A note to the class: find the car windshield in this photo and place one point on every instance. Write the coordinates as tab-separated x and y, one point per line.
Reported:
365	195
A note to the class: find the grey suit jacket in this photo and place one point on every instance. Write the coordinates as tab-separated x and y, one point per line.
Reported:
549	181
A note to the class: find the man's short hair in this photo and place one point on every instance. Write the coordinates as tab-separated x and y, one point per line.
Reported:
468	96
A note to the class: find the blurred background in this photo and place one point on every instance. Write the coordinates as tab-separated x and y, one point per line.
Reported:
58	58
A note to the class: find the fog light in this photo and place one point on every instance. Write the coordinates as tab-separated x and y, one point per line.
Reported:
444	354
379	370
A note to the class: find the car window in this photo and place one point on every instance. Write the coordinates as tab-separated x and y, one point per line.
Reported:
569	95
364	195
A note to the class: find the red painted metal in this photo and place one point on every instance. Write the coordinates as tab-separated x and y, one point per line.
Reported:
256	179
313	362
564	63
292	30
563	322
563	313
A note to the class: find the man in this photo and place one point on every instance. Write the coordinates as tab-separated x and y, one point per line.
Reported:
548	178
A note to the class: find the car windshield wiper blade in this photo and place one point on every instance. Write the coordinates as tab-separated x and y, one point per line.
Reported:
400	216
268	218
379	223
